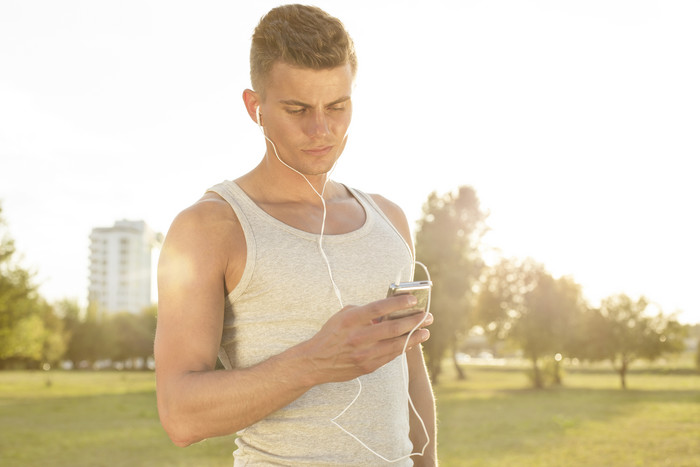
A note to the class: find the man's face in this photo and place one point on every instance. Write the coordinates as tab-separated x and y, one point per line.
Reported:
306	113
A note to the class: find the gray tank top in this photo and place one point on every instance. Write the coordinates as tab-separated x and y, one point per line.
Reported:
283	298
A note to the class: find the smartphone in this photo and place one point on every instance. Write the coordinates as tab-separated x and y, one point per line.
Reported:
419	289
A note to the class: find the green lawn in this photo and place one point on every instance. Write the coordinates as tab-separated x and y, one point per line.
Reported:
491	419
91	419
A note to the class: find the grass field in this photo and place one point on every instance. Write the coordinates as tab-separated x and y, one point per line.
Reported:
491	419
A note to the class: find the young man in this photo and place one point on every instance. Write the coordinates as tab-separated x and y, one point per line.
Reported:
282	274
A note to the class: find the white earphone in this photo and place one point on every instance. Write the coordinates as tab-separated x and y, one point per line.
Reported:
257	115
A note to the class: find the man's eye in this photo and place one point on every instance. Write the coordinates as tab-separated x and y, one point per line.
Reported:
296	111
337	108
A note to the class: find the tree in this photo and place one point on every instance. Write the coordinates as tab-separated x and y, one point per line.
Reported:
55	339
622	331
90	336
545	327
133	334
522	302
70	314
119	337
30	332
80	334
501	295
448	242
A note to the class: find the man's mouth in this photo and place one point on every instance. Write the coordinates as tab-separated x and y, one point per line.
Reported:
318	151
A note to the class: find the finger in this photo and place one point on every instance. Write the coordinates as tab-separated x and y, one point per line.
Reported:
426	319
389	349
376	311
389	329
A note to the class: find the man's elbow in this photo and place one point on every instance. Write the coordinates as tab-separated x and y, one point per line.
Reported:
178	430
181	443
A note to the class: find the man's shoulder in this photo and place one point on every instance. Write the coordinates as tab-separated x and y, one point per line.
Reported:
210	219
209	211
392	210
206	236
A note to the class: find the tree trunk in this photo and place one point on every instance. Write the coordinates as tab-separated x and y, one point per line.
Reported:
557	372
623	373
453	349
460	373
536	374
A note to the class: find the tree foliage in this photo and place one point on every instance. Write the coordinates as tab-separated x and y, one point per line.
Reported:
520	301
115	337
448	242
30	332
133	334
622	330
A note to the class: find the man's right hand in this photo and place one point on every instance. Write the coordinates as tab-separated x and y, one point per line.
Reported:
353	342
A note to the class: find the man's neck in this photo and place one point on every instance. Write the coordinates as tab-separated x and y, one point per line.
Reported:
272	182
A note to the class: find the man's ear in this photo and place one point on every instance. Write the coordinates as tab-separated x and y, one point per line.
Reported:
251	99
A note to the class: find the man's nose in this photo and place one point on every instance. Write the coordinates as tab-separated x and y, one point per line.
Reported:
318	124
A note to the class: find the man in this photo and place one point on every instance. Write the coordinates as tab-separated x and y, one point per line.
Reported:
282	275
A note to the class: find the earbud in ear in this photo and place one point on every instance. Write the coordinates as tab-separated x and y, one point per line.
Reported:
257	115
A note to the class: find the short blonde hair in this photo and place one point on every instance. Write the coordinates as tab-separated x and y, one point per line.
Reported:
302	36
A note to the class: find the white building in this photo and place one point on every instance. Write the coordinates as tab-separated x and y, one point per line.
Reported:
121	266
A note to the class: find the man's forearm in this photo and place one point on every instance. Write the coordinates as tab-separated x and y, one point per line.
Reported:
194	406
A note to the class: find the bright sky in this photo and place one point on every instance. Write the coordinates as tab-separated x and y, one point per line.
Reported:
576	122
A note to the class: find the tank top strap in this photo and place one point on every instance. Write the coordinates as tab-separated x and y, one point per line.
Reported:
236	198
361	195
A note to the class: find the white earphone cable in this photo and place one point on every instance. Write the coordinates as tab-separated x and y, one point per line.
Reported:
336	290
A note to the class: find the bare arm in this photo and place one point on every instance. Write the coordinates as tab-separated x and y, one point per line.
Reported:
202	258
419	388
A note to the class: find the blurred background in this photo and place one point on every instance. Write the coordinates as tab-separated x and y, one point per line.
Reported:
543	152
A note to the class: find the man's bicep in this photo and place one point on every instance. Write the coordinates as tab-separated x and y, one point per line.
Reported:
190	301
